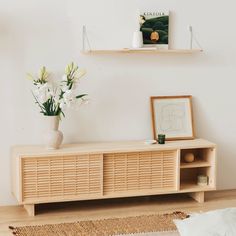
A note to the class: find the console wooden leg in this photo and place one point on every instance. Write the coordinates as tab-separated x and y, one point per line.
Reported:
30	208
198	196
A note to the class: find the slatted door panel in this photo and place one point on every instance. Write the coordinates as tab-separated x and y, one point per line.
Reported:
139	171
144	170
169	173
157	169
68	177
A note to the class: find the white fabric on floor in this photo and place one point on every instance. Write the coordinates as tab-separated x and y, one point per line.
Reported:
153	234
212	223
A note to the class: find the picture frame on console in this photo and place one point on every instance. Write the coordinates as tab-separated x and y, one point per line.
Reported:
172	116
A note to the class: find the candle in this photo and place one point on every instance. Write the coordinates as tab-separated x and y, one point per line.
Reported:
202	180
161	138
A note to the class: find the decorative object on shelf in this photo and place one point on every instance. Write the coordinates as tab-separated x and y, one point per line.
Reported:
172	115
53	137
54	98
155	28
202	180
137	40
150	142
161	138
189	157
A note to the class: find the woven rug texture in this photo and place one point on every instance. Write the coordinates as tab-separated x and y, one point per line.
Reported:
105	227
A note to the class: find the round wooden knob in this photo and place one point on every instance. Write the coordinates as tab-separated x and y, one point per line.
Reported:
189	157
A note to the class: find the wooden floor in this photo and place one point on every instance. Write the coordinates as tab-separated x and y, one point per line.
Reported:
71	212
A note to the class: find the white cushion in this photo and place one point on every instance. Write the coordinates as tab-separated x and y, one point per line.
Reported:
213	223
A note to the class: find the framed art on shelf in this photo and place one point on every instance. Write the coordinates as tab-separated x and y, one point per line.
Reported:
154	26
172	116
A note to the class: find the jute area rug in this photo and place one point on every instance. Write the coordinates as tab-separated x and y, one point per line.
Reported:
144	225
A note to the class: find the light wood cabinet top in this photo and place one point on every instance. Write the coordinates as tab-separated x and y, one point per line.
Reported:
109	147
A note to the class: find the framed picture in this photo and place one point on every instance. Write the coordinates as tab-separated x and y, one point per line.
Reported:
155	28
172	116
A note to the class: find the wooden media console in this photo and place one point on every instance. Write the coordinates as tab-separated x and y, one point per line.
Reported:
89	171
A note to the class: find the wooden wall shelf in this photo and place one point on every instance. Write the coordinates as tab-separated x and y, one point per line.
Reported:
133	51
89	171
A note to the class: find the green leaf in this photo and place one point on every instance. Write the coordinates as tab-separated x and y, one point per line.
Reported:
81	96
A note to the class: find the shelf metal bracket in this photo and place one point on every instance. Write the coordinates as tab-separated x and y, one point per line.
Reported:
193	39
85	39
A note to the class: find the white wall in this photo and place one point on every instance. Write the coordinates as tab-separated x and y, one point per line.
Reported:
35	33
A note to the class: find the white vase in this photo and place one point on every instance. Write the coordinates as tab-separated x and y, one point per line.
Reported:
52	136
137	39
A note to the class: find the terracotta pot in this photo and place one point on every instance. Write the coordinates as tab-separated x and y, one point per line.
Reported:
52	136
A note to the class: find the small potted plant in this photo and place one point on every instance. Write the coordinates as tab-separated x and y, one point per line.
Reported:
54	98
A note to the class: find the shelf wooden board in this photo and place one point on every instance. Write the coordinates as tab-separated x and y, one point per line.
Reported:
195	164
193	187
143	51
109	147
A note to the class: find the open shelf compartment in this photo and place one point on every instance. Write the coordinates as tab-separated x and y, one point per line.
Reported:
203	164
188	178
203	157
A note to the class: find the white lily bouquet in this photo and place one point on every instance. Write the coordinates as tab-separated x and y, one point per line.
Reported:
53	98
